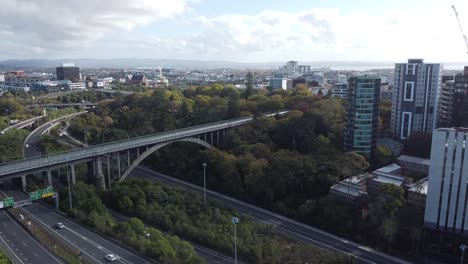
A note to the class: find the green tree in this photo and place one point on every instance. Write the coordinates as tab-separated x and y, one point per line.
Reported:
249	86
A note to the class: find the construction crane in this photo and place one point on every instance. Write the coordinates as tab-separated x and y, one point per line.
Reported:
461	28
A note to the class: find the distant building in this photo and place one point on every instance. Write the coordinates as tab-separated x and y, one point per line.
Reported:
2	77
446	103
386	93
280	83
298	81
16	73
47	86
390	174
411	164
304	69
68	71
340	90
291	67
446	203
352	188
415	102
362	113
137	79
460	100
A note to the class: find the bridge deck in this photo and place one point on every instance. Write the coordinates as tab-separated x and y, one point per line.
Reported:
27	165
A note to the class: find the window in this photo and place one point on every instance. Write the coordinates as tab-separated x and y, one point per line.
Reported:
409	91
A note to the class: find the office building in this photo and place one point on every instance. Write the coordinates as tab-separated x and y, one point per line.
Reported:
340	90
446	203
304	69
291	67
446	103
362	113
68	71
280	83
460	100
415	102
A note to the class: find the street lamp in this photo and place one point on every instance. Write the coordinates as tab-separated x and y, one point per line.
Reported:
235	221
462	248
204	182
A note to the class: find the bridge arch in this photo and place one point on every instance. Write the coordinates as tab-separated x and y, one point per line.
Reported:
157	147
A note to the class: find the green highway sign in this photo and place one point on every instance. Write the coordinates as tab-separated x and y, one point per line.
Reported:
49	191
8	202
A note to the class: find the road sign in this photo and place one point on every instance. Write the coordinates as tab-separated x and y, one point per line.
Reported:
35	195
45	195
9	201
47	192
21	203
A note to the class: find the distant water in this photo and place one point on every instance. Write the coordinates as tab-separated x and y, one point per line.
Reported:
361	68
455	67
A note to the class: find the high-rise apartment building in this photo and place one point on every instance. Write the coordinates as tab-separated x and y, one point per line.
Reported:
460	100
446	203
291	67
446	102
362	113
68	71
415	102
304	69
340	90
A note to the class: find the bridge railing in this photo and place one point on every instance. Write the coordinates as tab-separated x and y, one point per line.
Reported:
109	147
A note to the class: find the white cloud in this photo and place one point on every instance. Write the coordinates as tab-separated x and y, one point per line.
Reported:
106	28
321	34
66	24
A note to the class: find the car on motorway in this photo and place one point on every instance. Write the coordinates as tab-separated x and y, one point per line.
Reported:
59	225
110	257
27	145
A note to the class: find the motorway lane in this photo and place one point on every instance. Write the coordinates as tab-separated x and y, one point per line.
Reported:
287	226
94	246
19	245
30	149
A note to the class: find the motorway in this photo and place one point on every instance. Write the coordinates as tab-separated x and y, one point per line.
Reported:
93	246
30	143
19	245
22	124
302	232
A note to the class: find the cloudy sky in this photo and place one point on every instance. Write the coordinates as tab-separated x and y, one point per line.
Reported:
240	30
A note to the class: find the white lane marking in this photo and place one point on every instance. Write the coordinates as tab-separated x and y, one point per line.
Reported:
98	246
62	237
70	223
11	250
33	239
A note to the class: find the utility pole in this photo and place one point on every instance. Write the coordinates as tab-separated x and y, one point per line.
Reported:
235	221
204	182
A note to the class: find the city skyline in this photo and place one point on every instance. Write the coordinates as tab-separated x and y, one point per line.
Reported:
244	32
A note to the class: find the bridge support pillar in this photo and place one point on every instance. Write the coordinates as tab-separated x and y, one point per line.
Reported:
49	178
109	183
91	172
100	183
118	164
73	174
23	183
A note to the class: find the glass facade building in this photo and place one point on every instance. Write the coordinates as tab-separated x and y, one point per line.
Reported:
362	114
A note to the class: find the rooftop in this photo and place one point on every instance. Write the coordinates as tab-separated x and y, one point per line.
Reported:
413	159
388	178
389	168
